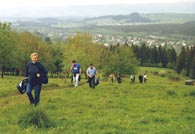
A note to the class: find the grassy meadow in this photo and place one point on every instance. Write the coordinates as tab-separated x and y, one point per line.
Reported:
163	105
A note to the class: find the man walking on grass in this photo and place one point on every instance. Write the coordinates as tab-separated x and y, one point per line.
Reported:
76	72
91	72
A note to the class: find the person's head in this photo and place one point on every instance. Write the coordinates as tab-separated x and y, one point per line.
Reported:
73	61
34	57
91	65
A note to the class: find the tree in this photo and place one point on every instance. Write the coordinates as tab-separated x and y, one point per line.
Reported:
56	64
31	43
120	61
192	69
180	64
164	59
80	48
8	41
172	56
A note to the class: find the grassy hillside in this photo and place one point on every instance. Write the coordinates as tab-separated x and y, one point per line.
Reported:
162	105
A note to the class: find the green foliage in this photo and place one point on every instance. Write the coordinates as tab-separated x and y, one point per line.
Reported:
192	93
8	43
31	43
81	49
116	59
120	60
56	62
171	92
35	118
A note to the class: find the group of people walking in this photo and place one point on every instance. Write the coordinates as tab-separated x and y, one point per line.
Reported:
142	78
76	73
35	71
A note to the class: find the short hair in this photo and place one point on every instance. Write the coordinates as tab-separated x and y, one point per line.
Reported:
34	54
91	64
73	61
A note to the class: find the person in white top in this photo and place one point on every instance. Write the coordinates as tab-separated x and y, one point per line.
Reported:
145	77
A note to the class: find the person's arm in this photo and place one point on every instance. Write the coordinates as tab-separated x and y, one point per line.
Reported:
80	71
26	73
87	72
72	66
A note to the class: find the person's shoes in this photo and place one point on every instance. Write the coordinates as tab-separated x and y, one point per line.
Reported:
35	104
31	102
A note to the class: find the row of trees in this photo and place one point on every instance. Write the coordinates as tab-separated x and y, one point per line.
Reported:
16	49
186	62
155	56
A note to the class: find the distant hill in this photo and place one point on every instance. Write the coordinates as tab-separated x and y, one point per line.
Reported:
137	18
130	18
112	20
170	17
162	23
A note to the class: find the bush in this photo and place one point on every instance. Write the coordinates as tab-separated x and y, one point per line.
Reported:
155	73
37	119
171	92
162	73
192	93
174	77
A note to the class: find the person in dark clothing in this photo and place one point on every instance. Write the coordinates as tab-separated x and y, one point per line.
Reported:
140	78
34	71
119	79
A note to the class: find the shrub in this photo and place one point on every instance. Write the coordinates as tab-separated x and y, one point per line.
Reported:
174	77
162	73
155	73
171	92
37	119
192	93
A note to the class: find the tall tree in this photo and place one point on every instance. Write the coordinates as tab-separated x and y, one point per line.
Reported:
192	69
180	64
31	43
8	41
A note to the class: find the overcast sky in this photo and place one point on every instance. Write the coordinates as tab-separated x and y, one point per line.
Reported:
46	3
49	8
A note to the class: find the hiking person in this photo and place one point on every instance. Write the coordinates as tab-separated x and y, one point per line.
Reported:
140	78
132	77
91	72
76	72
145	77
34	71
119	78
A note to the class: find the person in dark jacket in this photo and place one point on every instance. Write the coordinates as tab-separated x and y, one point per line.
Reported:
34	71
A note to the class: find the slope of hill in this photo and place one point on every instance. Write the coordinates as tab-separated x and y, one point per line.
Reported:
162	105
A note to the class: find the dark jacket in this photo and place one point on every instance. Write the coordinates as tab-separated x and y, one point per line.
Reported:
31	72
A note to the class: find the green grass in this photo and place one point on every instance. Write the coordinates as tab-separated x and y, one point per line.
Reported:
159	106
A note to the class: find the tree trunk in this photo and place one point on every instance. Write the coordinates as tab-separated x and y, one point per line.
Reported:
2	71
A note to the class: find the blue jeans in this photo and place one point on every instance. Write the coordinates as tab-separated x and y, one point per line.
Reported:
92	82
37	88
